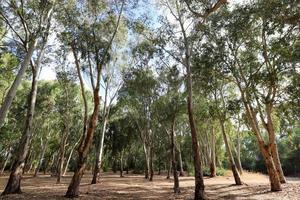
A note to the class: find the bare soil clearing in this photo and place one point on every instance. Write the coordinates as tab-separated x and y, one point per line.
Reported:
136	187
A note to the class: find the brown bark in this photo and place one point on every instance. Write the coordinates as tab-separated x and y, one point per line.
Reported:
275	155
84	148
264	149
96	171
88	130
199	182
273	175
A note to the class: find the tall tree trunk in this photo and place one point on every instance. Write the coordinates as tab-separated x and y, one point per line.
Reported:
37	169
13	89
14	183
83	150
69	158
99	153
269	162
265	149
174	162
235	172
275	155
199	182
147	166
29	158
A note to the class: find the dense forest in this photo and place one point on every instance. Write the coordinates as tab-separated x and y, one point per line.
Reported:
172	88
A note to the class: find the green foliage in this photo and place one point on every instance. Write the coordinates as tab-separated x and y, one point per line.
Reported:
219	171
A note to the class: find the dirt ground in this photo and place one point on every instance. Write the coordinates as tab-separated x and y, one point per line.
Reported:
136	187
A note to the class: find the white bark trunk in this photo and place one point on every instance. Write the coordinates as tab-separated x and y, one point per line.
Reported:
13	89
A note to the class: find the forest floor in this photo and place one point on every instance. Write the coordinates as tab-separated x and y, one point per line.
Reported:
136	187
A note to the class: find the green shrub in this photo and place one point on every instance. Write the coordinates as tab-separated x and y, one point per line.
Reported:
190	169
221	171
105	166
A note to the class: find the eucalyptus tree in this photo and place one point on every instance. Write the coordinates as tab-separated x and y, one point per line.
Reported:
121	135
112	83
182	36
37	30
219	92
258	61
45	124
90	36
168	107
138	101
12	129
29	24
66	104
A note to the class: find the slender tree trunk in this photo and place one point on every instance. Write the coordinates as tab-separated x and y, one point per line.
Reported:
235	172
99	153
69	158
84	148
13	89
14	183
37	169
29	158
147	166
264	149
199	182
174	162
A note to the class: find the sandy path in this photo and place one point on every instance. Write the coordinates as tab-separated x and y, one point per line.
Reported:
136	187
